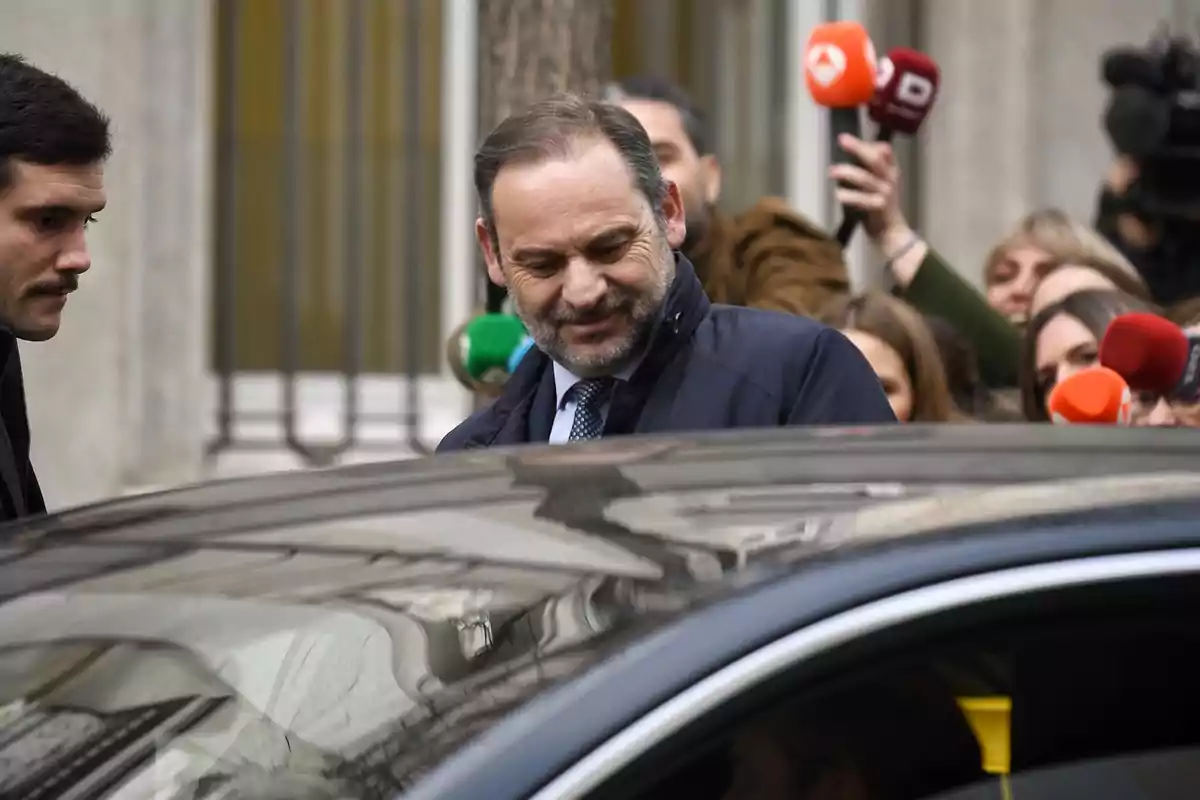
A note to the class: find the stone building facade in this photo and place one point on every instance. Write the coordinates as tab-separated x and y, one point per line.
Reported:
123	398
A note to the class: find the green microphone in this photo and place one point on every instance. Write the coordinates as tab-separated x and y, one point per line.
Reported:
486	350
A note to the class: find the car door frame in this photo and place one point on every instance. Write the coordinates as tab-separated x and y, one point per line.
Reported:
677	674
817	640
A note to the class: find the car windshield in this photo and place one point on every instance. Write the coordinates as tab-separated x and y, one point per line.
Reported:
222	663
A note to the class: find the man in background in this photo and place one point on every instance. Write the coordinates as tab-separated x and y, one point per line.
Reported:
53	145
768	256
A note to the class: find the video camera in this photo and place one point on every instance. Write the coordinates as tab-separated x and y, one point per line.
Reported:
1153	117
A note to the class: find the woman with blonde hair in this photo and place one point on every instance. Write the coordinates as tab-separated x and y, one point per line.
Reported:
903	352
1047	241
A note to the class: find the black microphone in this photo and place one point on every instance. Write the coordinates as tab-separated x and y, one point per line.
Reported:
840	70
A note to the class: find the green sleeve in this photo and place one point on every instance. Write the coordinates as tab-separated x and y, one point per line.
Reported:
938	290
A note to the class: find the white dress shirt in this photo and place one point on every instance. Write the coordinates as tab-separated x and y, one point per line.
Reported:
564	417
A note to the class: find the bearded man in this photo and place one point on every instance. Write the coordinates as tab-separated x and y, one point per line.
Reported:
581	227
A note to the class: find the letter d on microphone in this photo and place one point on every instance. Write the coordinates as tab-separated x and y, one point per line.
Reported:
915	90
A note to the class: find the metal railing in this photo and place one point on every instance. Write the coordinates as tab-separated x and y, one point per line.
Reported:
343	150
382	86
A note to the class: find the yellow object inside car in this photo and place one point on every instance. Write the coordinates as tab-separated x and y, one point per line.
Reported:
990	719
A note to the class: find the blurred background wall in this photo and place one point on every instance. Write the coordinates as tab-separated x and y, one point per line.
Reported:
288	240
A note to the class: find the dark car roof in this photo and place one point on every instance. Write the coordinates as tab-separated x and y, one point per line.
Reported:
839	468
451	589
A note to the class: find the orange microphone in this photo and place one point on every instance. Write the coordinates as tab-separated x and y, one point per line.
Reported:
839	68
840	65
1092	396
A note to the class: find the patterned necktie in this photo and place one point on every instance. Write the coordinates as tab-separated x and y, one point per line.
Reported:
589	397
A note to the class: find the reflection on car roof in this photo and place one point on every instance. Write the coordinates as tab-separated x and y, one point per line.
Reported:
979	506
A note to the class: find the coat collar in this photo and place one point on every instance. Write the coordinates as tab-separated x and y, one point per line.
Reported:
508	419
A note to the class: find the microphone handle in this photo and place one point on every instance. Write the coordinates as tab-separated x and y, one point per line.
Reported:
1188	388
850	217
842	120
846	229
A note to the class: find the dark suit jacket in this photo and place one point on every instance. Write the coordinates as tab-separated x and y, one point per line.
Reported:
20	494
708	367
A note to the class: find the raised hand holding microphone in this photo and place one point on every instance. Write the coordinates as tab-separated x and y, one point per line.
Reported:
872	187
840	70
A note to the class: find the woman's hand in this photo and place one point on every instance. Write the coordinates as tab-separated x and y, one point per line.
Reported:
873	187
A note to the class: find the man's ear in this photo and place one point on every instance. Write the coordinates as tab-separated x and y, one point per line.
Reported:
675	216
487	244
710	178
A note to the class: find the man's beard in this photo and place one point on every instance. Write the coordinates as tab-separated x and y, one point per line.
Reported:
640	307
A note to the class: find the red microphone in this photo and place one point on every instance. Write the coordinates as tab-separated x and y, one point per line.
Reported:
1153	355
1092	396
905	90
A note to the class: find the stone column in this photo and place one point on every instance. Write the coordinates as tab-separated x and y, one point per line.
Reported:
1018	121
116	397
168	408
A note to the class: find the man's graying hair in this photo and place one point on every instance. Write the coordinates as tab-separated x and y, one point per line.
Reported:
552	128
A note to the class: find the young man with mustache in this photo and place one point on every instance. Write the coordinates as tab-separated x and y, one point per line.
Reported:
53	146
578	223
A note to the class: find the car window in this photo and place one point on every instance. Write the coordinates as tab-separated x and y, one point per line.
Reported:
1090	700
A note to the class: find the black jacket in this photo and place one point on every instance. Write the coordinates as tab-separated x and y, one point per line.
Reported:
20	494
708	367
